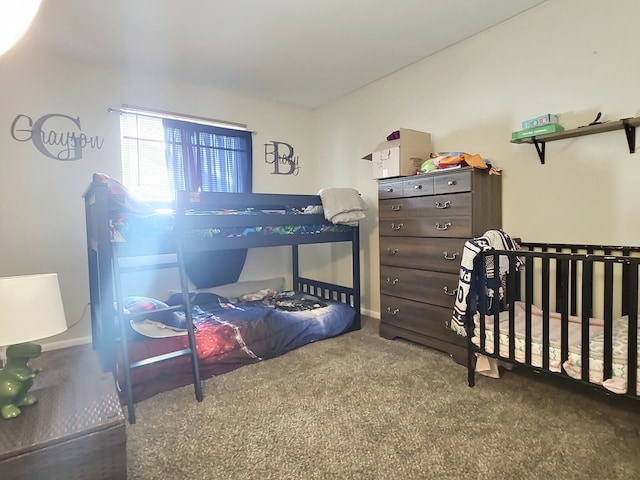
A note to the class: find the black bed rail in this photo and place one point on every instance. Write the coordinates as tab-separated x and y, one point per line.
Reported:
587	249
332	291
576	282
209	201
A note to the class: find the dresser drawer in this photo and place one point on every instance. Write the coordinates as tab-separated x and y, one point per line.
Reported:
428	320
453	182
418	185
428	206
426	286
390	189
427	227
440	254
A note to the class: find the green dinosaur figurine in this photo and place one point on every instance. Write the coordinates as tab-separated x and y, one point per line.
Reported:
16	378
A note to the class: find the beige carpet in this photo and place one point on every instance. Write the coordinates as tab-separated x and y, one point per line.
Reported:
361	407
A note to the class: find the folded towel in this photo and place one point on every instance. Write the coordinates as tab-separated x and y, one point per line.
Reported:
342	205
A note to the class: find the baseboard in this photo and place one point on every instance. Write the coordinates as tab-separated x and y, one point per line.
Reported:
370	313
72	342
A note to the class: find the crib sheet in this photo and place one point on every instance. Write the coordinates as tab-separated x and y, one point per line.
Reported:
573	364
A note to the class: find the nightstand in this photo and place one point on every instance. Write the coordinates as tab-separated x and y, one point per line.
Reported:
75	431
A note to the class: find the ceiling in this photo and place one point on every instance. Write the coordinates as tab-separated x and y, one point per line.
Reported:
301	52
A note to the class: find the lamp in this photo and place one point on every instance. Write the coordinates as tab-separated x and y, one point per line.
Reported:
30	309
16	17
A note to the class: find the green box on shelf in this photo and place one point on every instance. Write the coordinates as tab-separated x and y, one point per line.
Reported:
536	131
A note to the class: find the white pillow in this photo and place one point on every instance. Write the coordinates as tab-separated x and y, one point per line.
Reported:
238	289
153	329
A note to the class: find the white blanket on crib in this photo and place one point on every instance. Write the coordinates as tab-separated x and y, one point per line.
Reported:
342	205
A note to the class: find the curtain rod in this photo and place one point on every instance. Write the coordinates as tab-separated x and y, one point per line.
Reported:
149	112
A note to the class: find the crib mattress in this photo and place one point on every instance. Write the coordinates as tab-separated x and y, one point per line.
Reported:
573	365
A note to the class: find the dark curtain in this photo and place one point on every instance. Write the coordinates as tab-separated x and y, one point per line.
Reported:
203	158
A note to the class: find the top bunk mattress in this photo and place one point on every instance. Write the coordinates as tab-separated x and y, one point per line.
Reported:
220	220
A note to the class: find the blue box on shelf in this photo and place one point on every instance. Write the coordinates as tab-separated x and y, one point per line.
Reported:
540	120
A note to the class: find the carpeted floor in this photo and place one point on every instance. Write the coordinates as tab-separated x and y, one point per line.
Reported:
362	407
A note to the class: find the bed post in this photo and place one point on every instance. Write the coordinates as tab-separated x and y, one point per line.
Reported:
92	261
103	331
296	267
355	263
471	364
475	297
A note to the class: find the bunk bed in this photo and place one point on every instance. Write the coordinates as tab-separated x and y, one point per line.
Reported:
567	310
232	326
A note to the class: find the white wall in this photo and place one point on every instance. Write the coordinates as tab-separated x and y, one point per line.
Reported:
41	204
571	57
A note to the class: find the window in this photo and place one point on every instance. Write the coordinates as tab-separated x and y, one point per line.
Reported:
162	153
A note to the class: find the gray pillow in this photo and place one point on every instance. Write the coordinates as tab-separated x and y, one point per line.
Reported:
238	289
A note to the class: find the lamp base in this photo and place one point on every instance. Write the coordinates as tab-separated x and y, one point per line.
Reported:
16	378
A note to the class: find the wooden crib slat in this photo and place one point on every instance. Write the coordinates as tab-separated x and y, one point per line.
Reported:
632	374
587	303
545	308
607	364
562	267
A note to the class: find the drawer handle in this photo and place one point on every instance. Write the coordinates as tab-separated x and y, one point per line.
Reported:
389	189
452	182
451	294
452	256
395	311
443	227
393	282
396	208
417	187
392	252
396	227
446	204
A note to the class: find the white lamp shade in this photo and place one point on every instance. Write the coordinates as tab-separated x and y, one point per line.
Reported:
30	308
15	20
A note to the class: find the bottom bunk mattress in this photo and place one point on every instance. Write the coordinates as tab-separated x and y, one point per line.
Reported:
229	333
572	366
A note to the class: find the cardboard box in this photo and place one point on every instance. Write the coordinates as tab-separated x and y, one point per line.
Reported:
541	120
536	131
401	157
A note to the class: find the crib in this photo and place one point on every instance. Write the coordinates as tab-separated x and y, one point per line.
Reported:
567	310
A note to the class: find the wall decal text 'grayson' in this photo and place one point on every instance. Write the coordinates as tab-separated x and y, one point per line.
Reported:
55	135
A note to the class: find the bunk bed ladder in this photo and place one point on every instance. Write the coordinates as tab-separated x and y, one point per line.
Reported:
125	318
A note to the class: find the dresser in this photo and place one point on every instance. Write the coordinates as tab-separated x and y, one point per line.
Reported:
424	222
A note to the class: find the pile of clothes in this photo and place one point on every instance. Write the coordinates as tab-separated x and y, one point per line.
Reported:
443	160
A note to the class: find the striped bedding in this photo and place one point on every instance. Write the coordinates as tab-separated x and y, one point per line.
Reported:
615	381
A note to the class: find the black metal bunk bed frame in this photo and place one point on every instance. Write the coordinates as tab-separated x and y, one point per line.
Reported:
103	254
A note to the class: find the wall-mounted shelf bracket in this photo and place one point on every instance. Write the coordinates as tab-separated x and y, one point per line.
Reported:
540	148
630	131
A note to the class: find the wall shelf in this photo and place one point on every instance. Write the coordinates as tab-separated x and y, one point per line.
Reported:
627	124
